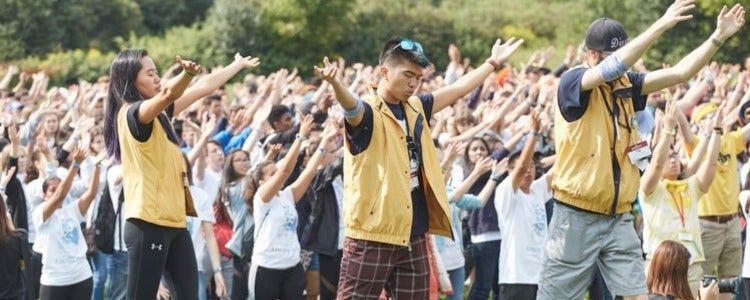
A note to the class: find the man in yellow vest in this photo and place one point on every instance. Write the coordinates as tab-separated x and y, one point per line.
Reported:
599	153
393	189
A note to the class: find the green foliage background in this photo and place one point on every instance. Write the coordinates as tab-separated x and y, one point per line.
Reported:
80	37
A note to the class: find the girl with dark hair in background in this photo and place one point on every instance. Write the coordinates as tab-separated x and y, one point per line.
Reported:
138	133
667	277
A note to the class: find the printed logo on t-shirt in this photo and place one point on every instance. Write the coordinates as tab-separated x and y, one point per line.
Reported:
290	216
70	235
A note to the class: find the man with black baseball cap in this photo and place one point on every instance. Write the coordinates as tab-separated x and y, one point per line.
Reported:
598	148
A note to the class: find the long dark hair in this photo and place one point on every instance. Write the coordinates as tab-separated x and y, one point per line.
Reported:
122	75
469	166
668	273
229	177
6	229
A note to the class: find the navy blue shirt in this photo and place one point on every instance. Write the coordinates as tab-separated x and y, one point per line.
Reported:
359	139
573	103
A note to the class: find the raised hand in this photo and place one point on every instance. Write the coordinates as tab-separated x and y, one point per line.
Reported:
306	125
719	116
247	61
328	72
79	154
502	51
484	165
13	135
7	175
501	167
676	13
13	70
190	67
670	120
730	21
534	120
330	131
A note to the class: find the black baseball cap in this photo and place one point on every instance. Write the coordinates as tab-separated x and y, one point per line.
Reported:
606	35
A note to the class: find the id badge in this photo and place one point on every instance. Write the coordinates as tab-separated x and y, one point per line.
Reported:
414	166
639	154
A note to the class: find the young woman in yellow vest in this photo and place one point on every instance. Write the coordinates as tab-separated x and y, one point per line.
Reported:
276	269
670	203
137	132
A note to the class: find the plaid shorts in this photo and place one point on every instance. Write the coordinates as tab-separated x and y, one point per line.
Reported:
368	267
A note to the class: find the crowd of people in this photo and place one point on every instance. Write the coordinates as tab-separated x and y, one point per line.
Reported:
595	176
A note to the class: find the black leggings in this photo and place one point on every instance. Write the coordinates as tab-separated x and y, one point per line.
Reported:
77	291
330	266
288	284
153	249
239	282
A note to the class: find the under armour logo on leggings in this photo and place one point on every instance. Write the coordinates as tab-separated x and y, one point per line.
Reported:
155	246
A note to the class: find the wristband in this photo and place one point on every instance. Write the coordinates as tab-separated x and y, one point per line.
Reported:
495	176
535	133
32	142
670	133
719	130
75	165
2	189
529	103
716	42
301	138
190	74
612	68
217	270
322	150
351	113
492	63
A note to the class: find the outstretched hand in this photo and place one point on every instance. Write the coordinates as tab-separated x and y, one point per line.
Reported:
730	21
190	67
328	72
676	13
247	61
502	51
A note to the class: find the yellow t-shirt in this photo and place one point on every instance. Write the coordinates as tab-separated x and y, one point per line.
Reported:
662	219
721	198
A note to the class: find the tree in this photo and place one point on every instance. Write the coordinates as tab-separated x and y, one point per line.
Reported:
159	15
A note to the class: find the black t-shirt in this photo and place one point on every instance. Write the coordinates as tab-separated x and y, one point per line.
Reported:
573	102
142	132
359	139
10	256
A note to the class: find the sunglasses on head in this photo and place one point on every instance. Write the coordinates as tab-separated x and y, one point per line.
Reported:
409	45
414	48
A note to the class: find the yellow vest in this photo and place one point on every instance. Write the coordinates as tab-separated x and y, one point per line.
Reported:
377	193
152	176
584	174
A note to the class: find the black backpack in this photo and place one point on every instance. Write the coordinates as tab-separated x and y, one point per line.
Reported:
104	224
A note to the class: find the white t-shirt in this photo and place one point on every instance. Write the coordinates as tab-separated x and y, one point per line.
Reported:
523	219
60	241
338	189
205	211
115	190
210	184
276	243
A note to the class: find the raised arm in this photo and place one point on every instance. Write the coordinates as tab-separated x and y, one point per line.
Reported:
482	166
299	186
729	22
629	54
497	171
50	205
707	170
352	105
12	70
447	95
524	161
268	189
173	91
209	83
659	159
85	201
